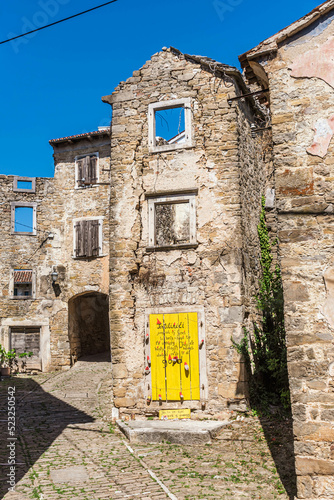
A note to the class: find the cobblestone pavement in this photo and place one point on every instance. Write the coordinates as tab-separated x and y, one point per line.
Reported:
68	451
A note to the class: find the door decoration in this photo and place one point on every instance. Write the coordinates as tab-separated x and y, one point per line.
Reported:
174	357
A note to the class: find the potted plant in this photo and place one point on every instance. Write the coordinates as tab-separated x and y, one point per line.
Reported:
5	369
9	360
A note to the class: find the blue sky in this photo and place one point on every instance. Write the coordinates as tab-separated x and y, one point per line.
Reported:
52	82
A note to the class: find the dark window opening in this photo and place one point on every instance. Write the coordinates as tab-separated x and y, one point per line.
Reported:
87	171
24	220
169	126
87	242
172	223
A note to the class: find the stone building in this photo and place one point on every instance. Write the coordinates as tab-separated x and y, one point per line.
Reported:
149	232
47	226
297	64
181	212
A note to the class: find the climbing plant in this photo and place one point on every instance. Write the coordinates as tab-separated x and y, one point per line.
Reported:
265	349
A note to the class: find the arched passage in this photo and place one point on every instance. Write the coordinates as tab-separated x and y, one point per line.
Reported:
88	324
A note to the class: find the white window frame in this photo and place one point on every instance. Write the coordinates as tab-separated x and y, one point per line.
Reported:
100	219
154	199
79	157
159	106
33	286
17	204
24	179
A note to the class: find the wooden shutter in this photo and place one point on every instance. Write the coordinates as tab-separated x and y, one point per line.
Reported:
95	237
92	174
80	233
92	241
87	238
80	171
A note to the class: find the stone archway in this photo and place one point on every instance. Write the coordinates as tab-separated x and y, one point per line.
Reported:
88	324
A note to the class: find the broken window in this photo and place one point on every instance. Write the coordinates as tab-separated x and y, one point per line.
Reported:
24	184
23	218
172	220
170	125
22	283
88	238
172	223
86	173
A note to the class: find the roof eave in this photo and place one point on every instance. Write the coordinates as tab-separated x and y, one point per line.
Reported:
270	45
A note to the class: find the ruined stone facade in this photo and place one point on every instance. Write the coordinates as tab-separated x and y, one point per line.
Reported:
298	67
205	275
171	223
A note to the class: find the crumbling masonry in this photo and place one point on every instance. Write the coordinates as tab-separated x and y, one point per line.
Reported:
162	227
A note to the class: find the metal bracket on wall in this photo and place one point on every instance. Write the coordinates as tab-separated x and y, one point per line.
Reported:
258	92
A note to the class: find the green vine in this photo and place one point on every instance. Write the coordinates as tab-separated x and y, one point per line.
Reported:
265	351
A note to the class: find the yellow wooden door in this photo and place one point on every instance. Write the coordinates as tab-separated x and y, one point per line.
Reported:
174	356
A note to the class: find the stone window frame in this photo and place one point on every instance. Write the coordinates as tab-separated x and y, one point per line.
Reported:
159	198
202	352
33	287
170	104
18	204
78	157
78	219
24	179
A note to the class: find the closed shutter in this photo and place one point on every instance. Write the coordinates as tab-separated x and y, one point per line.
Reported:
80	171
80	250
92	174
87	238
87	170
95	224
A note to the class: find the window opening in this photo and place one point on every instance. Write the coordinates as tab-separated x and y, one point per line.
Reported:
24	220
22	283
172	223
170	126
26	185
172	219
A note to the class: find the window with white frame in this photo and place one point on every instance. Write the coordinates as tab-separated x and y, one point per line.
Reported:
24	184
22	283
86	170
87	241
169	124
23	218
172	220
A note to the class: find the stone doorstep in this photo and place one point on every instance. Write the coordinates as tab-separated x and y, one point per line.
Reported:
185	431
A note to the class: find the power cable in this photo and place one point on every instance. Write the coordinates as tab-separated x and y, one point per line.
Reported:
57	22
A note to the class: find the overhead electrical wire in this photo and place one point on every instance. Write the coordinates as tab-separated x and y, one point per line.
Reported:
57	22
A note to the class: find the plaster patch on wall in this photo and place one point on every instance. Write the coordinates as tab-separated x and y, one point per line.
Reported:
329	302
324	131
314	30
318	63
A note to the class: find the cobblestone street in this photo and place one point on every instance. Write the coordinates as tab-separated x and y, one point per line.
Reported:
68	451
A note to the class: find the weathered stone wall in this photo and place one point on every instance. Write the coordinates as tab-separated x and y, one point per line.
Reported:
58	203
302	106
209	275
